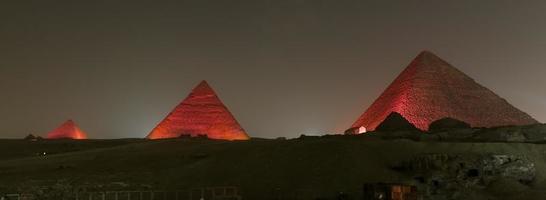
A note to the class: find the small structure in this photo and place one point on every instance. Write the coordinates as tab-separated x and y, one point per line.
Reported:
389	191
396	122
32	138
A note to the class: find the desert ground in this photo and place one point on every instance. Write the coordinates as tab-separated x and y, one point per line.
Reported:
311	167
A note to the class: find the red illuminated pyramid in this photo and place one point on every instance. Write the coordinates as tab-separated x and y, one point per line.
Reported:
201	113
67	130
430	89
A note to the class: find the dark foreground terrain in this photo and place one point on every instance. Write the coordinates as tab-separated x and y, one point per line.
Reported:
303	168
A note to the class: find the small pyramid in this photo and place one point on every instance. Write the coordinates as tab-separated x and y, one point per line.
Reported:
201	113
430	89
396	122
69	130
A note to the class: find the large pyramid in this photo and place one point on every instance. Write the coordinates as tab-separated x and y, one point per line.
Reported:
69	129
430	89
201	113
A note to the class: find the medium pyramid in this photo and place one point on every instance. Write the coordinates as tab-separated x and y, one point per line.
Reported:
69	129
201	113
430	89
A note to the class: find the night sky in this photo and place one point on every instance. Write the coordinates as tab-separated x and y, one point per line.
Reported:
283	68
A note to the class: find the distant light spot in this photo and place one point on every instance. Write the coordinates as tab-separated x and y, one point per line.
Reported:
362	129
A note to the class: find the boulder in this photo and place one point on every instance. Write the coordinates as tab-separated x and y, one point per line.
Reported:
501	134
447	173
456	135
535	133
31	137
424	162
447	124
514	167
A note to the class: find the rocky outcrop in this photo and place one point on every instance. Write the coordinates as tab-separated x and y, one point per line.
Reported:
532	134
32	137
447	124
446	176
519	134
456	135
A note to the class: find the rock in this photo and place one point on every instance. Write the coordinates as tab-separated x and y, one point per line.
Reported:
392	135
32	137
446	173
456	135
395	127
505	188
352	131
447	124
424	162
305	137
501	134
510	166
535	133
396	122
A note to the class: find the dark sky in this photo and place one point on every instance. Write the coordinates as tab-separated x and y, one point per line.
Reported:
284	68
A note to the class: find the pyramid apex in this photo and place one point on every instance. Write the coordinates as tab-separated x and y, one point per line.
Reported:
429	59
426	51
427	54
69	122
203	82
68	129
203	88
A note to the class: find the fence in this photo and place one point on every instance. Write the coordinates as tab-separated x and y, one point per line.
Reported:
18	197
208	193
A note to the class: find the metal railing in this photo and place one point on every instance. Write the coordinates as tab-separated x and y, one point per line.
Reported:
207	193
17	197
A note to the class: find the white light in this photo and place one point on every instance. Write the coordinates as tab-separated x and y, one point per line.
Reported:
361	129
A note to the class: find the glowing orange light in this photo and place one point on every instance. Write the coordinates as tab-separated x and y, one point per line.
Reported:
69	129
201	113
